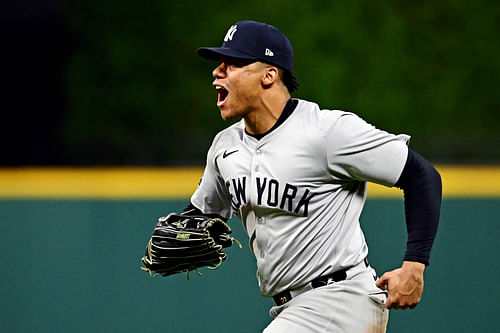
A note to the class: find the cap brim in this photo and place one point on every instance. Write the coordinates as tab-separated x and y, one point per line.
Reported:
214	53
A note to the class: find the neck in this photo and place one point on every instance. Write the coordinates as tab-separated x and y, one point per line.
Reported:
263	118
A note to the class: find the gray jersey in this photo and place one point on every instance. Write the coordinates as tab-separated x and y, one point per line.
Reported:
300	190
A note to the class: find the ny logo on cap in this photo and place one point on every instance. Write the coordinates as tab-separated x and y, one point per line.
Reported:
230	33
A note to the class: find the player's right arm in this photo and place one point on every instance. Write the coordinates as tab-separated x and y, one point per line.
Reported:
211	198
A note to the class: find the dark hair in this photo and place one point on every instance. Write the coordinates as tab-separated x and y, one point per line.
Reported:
289	80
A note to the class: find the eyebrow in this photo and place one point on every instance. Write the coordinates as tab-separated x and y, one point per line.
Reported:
237	61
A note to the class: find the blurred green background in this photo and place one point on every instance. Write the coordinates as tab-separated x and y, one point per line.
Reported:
119	83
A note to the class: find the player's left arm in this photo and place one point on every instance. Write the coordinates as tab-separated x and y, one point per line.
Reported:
422	188
191	210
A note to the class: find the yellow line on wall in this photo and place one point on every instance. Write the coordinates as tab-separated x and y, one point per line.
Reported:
99	183
458	181
170	183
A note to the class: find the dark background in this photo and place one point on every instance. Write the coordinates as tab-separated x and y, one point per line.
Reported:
111	83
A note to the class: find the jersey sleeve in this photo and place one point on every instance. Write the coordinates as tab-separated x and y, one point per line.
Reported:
358	150
211	196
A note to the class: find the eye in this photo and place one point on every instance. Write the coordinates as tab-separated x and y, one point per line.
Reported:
237	62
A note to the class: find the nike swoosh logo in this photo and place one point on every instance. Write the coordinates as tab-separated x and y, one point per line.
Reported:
226	154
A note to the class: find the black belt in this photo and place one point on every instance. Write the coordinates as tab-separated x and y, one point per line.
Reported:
338	276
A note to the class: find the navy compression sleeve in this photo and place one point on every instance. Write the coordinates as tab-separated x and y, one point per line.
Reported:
192	210
422	188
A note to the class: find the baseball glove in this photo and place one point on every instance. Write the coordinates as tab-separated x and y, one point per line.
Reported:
182	243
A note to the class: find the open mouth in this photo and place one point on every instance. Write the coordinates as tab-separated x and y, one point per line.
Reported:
222	95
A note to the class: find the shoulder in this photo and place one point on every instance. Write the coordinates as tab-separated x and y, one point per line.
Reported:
340	127
323	119
229	135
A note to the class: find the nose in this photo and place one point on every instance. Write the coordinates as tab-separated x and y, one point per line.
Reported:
219	71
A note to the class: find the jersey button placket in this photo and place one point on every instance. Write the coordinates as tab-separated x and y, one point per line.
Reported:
261	233
261	236
258	153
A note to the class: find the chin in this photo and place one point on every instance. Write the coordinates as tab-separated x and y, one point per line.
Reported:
227	115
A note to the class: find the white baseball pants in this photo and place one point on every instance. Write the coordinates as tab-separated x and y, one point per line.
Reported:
354	305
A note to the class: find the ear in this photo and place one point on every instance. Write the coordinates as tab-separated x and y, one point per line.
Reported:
271	75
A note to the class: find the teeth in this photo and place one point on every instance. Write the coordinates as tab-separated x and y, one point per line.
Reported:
222	94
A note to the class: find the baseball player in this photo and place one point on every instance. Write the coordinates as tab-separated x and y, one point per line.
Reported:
295	175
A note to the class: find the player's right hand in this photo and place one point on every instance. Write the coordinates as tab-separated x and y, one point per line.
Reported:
405	285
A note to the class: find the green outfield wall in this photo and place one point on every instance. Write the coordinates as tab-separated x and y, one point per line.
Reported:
74	266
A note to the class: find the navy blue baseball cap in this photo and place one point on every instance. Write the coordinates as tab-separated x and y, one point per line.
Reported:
253	40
